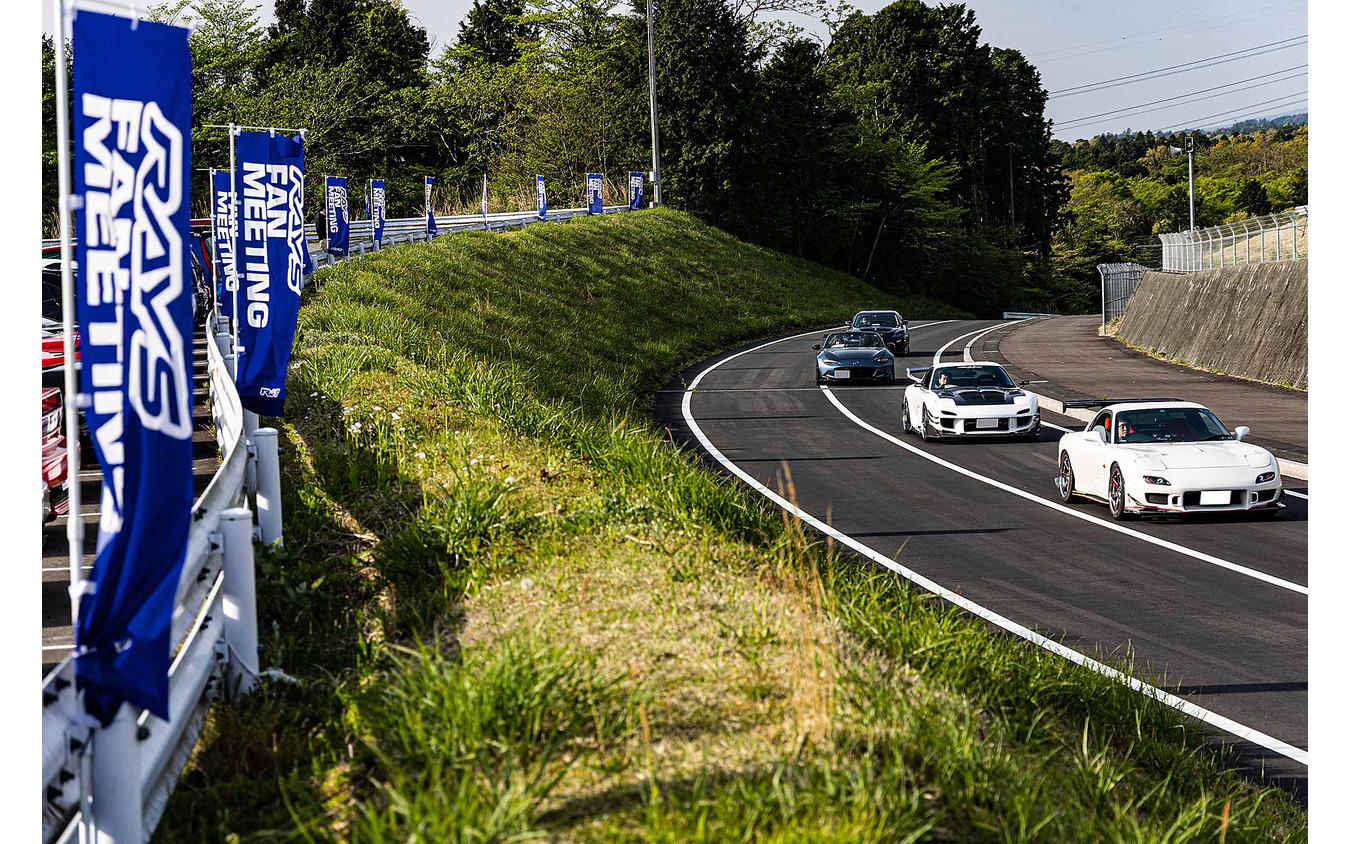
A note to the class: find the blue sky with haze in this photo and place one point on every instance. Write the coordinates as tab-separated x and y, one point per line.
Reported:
1077	42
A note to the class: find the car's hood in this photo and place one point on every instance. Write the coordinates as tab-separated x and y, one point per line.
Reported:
1221	454
852	354
980	395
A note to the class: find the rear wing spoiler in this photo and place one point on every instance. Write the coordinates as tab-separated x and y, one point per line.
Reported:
916	374
1096	403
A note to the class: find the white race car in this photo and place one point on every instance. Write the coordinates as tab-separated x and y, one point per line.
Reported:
976	399
1141	456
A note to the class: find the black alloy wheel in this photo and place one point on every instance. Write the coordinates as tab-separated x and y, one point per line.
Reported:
1065	478
1115	494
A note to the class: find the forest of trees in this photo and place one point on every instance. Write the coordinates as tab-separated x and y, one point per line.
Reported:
903	150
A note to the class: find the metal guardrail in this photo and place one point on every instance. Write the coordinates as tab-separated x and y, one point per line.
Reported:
1273	237
160	749
1118	285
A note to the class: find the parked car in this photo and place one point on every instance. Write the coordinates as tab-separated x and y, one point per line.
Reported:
978	399
1141	456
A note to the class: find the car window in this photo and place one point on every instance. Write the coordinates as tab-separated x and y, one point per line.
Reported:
854	340
1103	421
973	375
1169	424
883	320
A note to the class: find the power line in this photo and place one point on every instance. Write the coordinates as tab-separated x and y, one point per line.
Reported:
1199	121
1169	37
1159	73
1142	108
1151	31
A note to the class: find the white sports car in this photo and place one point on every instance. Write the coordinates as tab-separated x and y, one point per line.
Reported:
977	399
1159	456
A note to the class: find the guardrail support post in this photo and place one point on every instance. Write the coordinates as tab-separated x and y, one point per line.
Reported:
238	595
269	485
251	471
115	790
223	343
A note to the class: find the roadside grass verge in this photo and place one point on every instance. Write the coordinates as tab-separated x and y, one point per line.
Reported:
516	612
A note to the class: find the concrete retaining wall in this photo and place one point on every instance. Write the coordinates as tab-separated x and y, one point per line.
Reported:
1250	320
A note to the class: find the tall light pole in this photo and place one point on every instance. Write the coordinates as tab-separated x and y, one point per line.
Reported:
651	85
1190	174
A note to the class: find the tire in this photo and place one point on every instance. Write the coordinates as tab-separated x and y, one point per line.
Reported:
1115	494
924	429
1034	435
904	417
1066	478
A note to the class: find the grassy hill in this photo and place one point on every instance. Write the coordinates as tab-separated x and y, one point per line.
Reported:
513	610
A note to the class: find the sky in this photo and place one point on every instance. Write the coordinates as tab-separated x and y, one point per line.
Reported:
1079	42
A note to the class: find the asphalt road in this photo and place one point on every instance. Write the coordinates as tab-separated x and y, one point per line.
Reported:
1195	612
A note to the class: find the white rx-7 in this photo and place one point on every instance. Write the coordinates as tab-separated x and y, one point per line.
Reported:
978	399
1165	456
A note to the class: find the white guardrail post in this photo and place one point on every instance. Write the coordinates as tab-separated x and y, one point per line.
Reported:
115	792
251	472
268	496
241	609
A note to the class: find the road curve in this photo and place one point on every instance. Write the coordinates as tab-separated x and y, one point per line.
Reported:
1214	609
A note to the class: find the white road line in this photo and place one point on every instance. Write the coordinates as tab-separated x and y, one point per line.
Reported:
1302	495
1055	505
1180	704
937	356
69	647
965	353
1057	427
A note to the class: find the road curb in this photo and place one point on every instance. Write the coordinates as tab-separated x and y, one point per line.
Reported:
990	351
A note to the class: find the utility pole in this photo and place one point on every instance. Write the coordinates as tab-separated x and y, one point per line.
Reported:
1190	174
651	85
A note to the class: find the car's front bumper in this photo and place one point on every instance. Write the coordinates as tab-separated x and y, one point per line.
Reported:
1000	421
854	371
1183	493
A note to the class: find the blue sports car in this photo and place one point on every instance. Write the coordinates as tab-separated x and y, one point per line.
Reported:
854	356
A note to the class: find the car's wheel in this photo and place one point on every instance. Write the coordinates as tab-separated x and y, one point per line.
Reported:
1115	494
904	417
1065	478
926	431
1034	435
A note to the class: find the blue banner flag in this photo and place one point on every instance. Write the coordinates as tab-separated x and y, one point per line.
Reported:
634	191
377	208
540	195
272	257
431	219
222	217
335	203
593	184
132	132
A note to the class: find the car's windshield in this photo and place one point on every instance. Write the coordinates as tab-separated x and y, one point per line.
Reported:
854	340
1169	425
971	376
881	320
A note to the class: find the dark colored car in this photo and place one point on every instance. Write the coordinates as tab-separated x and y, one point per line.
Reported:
854	356
889	324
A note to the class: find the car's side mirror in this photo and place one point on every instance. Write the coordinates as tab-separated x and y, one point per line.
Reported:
904	322
815	346
1098	434
1242	431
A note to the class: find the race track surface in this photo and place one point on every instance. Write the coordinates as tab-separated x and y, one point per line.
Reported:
1217	614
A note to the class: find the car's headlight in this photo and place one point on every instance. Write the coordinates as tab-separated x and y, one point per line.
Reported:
830	362
1156	481
881	359
1265	477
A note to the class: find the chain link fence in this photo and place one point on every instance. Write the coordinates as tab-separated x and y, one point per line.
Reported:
1118	284
1282	236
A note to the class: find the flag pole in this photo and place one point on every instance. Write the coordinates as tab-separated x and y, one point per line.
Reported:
74	524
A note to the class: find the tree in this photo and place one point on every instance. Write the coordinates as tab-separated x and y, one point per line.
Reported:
1252	198
493	31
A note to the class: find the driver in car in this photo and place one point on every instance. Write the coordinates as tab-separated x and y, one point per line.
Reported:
1123	430
941	380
